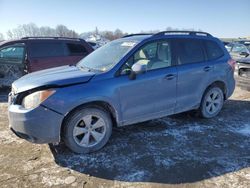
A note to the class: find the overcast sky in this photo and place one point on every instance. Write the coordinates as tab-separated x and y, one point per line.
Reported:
222	18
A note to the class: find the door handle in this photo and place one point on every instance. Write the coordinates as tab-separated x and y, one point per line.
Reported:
169	77
206	69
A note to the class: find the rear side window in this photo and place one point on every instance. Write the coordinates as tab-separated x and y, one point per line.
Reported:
213	50
46	49
189	51
76	49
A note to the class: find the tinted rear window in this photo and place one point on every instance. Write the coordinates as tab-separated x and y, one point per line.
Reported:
189	51
213	50
76	49
46	49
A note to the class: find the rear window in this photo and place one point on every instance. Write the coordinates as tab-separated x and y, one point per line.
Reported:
46	49
189	51
213	50
76	49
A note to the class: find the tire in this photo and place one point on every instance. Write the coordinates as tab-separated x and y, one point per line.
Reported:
87	130
212	102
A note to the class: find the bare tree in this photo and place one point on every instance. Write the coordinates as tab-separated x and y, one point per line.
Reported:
118	33
61	31
32	30
10	34
47	31
1	37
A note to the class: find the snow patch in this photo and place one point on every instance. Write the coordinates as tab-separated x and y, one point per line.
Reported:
135	176
244	130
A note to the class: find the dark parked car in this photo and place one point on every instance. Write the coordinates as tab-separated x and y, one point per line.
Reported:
243	73
129	80
237	50
246	43
30	54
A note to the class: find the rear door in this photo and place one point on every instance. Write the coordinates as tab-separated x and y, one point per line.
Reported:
44	54
11	63
193	73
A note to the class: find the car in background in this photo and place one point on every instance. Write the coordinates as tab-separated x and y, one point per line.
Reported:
129	80
242	73
94	45
246	43
237	50
30	54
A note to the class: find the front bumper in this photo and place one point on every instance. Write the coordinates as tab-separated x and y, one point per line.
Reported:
242	75
39	125
243	82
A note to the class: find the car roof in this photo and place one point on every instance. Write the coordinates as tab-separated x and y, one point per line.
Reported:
168	34
22	40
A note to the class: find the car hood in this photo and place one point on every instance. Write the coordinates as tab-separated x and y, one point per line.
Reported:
55	77
244	60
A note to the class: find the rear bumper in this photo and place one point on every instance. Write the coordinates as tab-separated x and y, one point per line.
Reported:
39	125
230	86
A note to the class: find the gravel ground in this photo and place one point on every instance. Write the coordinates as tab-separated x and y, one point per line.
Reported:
176	151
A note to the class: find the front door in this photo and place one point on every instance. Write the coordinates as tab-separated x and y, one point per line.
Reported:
151	94
11	63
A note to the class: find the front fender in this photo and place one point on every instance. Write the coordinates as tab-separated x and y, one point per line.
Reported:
67	99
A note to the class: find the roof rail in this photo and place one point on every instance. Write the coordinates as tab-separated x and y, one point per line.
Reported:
65	38
137	34
183	32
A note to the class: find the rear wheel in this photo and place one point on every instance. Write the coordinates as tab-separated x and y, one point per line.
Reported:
212	102
87	130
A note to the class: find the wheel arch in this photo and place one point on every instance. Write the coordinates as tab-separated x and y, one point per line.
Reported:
96	104
218	83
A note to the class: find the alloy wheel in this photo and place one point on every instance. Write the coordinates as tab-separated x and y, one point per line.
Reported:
89	131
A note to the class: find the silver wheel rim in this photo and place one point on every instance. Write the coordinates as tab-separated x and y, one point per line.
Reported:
89	130
213	102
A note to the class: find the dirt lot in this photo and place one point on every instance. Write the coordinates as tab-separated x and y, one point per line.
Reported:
177	151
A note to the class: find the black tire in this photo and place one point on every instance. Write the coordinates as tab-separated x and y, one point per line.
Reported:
74	122
205	108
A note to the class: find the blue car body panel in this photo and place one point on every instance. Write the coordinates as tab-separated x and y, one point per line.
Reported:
150	95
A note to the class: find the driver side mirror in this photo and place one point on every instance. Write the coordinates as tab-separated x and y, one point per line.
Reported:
137	68
244	54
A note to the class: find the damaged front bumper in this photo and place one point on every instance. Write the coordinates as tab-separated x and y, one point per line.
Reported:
39	125
243	75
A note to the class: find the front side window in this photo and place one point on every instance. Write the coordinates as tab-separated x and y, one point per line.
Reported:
107	56
155	55
46	49
189	51
12	54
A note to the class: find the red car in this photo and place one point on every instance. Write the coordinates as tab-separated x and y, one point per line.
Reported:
29	54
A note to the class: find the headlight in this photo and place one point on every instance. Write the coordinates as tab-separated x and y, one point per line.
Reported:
34	99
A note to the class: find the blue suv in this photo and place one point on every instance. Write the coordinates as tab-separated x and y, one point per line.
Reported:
133	79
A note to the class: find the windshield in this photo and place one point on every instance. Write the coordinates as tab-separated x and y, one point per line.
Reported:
106	57
247	45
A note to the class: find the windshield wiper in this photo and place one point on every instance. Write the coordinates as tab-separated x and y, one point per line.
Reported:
84	68
88	68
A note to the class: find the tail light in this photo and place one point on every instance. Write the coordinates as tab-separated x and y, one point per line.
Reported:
232	63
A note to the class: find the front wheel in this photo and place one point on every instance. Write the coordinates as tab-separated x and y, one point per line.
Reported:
212	102
87	130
